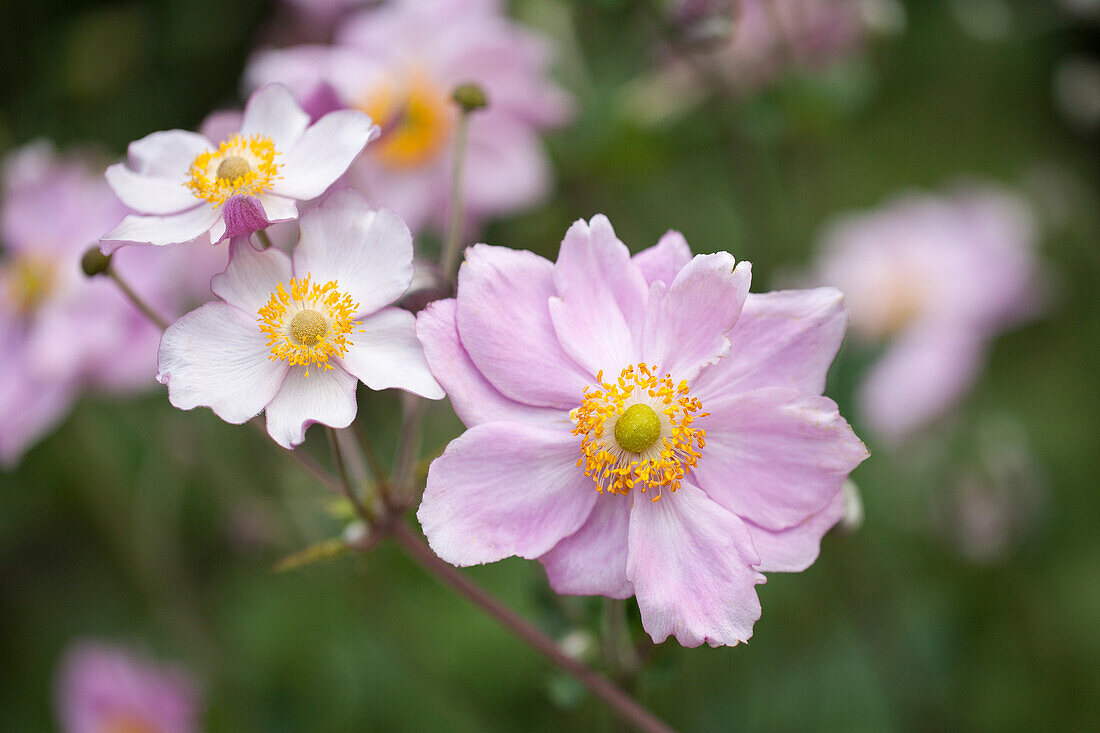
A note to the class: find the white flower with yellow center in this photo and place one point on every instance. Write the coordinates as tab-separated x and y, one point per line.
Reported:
184	186
293	336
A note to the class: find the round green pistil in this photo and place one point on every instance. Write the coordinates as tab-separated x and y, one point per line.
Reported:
637	428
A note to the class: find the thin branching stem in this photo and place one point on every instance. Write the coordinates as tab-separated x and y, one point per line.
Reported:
136	299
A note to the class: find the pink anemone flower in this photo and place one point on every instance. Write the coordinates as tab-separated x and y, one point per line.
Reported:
104	688
185	186
641	425
293	336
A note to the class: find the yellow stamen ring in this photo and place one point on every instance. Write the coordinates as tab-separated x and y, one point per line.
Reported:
653	443
240	166
306	322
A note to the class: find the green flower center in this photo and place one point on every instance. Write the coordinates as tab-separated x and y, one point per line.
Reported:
637	428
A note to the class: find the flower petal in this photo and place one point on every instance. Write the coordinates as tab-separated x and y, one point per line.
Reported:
599	316
691	563
214	357
384	353
278	208
923	373
150	194
324	153
592	560
473	398
504	323
502	489
251	277
686	325
787	338
161	230
794	549
774	456
167	154
272	112
665	259
369	253
326	396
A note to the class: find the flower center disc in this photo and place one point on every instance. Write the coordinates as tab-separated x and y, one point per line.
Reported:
637	428
308	326
416	120
638	431
240	165
233	167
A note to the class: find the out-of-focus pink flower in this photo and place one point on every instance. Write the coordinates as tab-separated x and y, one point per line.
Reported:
294	336
641	425
184	186
936	278
400	63
104	688
62	331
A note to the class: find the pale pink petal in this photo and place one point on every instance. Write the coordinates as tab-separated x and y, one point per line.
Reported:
919	378
504	323
504	488
691	564
663	260
794	549
221	125
150	194
272	112
278	208
216	357
384	353
326	396
787	338
161	230
686	325
323	154
474	400
592	560
506	166
775	456
369	253
167	154
599	315
251	277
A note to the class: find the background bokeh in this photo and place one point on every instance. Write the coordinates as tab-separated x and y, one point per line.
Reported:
158	528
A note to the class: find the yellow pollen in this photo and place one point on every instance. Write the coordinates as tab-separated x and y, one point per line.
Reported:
306	322
240	166
416	120
657	444
307	327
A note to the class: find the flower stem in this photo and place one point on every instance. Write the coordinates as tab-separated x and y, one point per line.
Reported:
265	241
452	246
346	483
134	298
624	705
376	469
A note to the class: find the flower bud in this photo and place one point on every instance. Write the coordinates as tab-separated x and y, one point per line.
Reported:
470	97
94	262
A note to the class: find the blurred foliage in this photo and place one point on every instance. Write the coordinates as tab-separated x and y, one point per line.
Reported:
160	528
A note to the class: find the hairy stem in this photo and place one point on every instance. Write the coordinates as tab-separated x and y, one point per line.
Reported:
134	298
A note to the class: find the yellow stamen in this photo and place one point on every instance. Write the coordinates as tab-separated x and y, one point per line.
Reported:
240	166
306	322
416	118
647	454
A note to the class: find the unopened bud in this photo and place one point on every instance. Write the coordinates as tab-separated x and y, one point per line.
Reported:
94	262
470	97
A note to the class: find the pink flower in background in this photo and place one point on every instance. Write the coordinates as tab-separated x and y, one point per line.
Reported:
643	426
399	63
184	186
294	336
936	278
62	331
107	689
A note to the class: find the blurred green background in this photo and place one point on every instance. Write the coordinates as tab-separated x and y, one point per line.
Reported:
159	528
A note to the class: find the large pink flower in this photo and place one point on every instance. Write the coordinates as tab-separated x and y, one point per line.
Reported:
63	332
184	186
294	336
935	277
643	426
399	63
105	688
